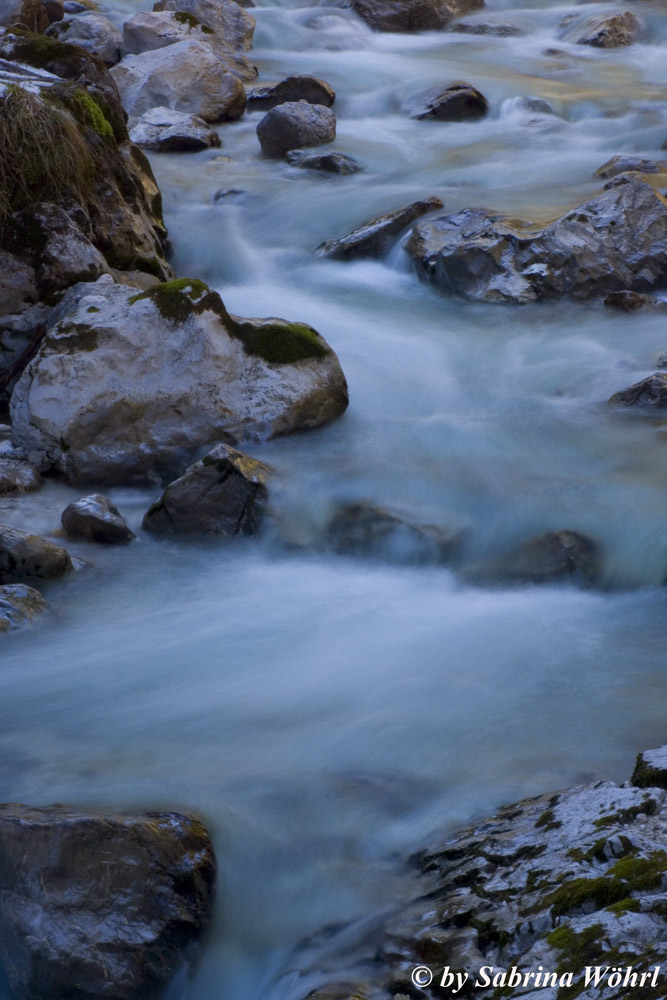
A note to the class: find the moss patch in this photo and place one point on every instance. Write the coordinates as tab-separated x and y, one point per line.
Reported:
278	341
185	17
623	816
630	874
548	821
177	300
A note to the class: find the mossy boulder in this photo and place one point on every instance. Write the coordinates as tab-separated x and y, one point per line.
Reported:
28	557
198	376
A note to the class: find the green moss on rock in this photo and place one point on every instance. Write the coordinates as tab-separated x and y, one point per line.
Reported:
629	874
185	17
278	341
177	300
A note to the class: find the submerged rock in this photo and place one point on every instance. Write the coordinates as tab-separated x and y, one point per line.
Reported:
293	125
650	392
413	15
458	101
486	28
119	901
617	241
19	604
197	376
625	164
331	163
292	88
556	555
165	130
223	494
25	557
93	32
94	518
364	529
374	238
17	476
608	31
633	301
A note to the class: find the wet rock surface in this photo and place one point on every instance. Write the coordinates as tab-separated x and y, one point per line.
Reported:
223	494
295	124
94	518
650	392
292	88
459	101
374	238
625	164
119	901
26	557
17	476
485	28
609	31
19	604
165	131
633	301
364	529
330	163
413	15
617	241
556	555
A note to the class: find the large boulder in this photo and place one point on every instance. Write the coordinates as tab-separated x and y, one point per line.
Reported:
607	31
159	28
95	906
191	375
616	241
292	88
227	19
459	101
223	494
19	604
295	124
188	76
93	32
374	238
413	15
95	519
25	557
165	131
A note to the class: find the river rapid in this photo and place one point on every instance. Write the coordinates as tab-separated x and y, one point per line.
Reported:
326	715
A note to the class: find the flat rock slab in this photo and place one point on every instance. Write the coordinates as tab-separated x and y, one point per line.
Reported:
25	557
19	604
167	131
118	901
374	238
94	518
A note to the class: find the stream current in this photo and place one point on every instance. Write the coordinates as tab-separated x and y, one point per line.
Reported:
326	715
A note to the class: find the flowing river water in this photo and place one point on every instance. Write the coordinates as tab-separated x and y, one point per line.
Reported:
325	715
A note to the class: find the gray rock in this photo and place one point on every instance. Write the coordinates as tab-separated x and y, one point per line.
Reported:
331	163
165	130
93	32
662	361
375	237
651	769
225	18
198	375
187	76
532	105
459	101
624	164
609	31
485	28
94	518
17	476
119	901
364	529
413	15
223	494
556	555
650	392
292	88
18	284
19	604
25	557
614	242
627	301
293	125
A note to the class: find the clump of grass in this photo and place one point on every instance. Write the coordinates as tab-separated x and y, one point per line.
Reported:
42	153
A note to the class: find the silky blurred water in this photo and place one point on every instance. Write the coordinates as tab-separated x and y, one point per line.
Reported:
326	715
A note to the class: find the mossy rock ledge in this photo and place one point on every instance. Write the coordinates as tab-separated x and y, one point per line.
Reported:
191	376
569	886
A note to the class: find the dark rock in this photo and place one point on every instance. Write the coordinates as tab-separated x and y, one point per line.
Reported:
363	529
166	131
55	10
531	105
28	14
17	476
228	194
556	555
632	301
459	101
482	28
413	15
293	88
332	163
374	238
223	494
609	31
624	164
662	361
651	769
614	242
94	518
293	125
650	392
119	901
18	605
25	557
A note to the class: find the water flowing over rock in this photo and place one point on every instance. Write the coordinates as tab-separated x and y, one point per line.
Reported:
413	15
166	131
633	301
94	518
330	163
192	375
374	238
24	557
486	28
609	31
459	101
223	494
292	88
120	901
19	604
93	32
614	242
650	392
556	555
295	124
187	76
364	529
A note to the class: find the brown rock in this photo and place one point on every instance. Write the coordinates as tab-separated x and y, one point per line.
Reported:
94	518
413	15
293	125
24	557
459	101
292	88
374	238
